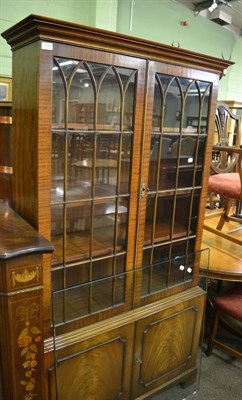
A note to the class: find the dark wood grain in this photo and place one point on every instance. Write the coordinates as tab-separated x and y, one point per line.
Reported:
17	237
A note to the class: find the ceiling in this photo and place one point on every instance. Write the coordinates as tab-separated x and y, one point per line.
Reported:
225	9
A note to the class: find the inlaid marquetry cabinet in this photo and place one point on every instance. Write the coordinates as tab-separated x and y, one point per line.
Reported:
112	146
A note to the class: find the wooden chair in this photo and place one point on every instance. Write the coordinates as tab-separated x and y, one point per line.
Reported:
225	180
227	313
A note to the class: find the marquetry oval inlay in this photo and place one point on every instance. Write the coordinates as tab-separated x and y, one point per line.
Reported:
26	276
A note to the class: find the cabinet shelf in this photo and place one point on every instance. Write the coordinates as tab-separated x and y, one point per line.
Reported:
163	232
78	246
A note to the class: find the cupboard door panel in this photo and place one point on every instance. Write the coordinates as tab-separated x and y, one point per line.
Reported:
166	345
95	369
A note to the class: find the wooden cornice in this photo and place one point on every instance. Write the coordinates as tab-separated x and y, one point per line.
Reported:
34	28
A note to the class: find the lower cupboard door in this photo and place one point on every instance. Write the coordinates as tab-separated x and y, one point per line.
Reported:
96	369
166	347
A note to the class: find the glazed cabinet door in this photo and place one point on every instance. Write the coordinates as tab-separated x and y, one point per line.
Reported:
166	346
176	131
98	368
96	139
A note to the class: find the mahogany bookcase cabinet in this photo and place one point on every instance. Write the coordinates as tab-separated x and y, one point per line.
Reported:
107	166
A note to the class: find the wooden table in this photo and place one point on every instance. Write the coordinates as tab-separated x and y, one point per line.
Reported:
104	167
225	261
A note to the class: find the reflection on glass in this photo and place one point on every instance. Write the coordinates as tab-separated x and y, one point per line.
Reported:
180	103
172	100
163	220
57	233
110	115
122	222
172	271
166	274
161	253
57	278
128	118
149	219
125	168
120	263
178	269
57	166
101	295
79	301
182	214
195	209
77	275
106	164
81	100
102	268
78	219
80	166
103	227
146	260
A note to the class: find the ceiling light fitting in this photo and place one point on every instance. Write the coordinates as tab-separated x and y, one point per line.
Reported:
213	6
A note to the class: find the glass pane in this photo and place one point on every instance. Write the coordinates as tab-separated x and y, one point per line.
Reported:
192	103
67	66
76	302
58	97
78	217
122	220
182	215
106	163
163	220
177	271
195	210
120	263
149	219
119	289
153	165
157	107
103	227
102	295
200	157
57	278
57	166
81	100
172	102
205	89
128	119
80	166
159	276
125	168
168	164
161	253
146	257
77	274
109	102
187	161
102	268
145	289
57	237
